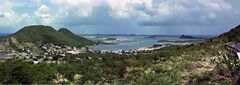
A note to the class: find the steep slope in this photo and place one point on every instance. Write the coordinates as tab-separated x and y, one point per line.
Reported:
232	36
72	35
46	34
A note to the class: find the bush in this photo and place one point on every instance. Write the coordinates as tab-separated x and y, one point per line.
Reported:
228	60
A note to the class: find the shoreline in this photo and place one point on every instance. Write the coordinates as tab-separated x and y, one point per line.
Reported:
182	41
161	44
154	47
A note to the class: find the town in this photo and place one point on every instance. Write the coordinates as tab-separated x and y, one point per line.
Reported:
51	53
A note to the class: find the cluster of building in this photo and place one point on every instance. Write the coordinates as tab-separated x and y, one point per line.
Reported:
49	52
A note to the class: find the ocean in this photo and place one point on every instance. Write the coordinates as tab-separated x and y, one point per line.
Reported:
129	42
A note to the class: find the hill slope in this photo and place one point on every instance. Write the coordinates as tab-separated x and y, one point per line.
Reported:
232	36
72	35
46	34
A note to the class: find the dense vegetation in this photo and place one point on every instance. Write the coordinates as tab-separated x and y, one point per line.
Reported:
68	33
47	34
166	66
227	64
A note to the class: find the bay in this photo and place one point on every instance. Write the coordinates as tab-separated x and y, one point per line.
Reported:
128	42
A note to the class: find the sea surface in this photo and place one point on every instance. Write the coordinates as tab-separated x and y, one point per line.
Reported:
129	42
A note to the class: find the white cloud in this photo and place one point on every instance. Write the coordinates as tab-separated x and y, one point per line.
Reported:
157	11
78	7
119	8
5	6
184	11
43	12
11	18
44	16
126	8
215	4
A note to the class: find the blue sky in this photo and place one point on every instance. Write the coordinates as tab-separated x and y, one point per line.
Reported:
172	17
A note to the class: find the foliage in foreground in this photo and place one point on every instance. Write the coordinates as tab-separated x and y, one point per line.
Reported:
226	71
165	66
106	68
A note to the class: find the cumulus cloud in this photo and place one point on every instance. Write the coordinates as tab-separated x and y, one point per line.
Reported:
94	19
123	14
12	20
184	12
43	12
5	6
76	7
149	12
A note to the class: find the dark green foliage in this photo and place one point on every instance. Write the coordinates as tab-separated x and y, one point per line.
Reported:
43	73
67	70
94	68
47	34
22	72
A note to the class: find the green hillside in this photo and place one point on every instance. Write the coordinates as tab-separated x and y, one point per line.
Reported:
72	35
232	36
47	34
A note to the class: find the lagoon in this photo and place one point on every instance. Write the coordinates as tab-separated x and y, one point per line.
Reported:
129	42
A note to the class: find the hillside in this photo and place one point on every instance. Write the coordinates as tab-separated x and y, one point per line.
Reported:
72	35
47	34
232	36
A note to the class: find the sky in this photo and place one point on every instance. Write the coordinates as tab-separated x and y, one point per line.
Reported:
163	17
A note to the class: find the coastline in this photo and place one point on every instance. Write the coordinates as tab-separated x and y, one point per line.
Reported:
135	51
183	41
159	45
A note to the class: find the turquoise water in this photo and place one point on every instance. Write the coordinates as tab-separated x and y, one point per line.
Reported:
128	42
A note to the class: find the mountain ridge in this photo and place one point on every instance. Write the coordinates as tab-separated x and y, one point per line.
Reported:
231	36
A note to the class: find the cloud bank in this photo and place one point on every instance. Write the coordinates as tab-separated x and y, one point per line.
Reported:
123	16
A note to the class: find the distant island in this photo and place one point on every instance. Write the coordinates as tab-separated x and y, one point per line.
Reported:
156	36
191	37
